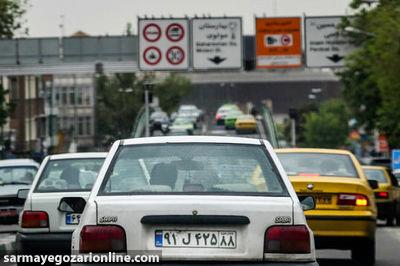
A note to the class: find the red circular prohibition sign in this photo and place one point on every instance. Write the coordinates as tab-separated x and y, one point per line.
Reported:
156	60
157	28
175	59
175	28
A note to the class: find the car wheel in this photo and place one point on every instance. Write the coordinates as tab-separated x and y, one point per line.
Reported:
389	221
398	215
364	252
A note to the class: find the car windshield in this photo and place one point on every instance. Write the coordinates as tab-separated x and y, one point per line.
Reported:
17	175
375	174
192	168
318	164
69	175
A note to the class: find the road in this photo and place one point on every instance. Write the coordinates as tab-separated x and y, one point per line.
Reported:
387	250
388	247
387	238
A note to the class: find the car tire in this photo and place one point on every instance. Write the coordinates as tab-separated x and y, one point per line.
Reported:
398	214
389	221
364	252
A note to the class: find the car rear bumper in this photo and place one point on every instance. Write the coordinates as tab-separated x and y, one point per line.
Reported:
47	243
386	209
226	263
342	243
269	263
342	226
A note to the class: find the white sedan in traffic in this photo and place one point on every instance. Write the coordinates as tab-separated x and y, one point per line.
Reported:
196	198
56	200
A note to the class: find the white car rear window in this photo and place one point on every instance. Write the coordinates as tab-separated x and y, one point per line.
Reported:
69	175
192	168
17	175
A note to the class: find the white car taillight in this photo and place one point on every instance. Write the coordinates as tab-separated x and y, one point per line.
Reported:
287	239
35	219
102	238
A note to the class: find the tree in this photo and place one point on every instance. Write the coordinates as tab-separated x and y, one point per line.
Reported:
171	91
118	99
11	13
5	108
327	128
371	79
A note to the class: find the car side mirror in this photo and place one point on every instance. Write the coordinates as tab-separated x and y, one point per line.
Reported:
373	184
307	203
22	194
72	205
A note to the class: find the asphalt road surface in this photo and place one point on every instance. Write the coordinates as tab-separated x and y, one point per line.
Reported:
387	248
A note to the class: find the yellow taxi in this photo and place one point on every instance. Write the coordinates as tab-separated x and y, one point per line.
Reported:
387	195
246	123
345	212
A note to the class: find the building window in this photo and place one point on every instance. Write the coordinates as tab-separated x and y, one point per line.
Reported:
81	126
64	99
71	96
87	96
79	99
89	125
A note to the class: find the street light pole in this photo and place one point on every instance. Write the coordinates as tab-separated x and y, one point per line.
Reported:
293	131
146	106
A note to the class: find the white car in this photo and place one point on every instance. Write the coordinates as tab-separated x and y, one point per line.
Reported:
15	174
56	200
196	198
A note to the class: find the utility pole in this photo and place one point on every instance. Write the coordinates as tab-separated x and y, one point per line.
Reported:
294	116
147	111
293	132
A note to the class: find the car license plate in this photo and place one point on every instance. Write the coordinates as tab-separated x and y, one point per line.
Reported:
8	213
323	199
194	239
72	218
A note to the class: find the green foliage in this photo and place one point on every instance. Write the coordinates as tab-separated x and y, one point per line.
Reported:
371	80
171	91
118	99
327	128
5	108
11	12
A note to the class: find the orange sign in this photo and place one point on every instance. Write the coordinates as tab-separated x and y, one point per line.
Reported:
278	42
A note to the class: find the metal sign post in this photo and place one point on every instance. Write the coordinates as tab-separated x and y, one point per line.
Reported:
146	105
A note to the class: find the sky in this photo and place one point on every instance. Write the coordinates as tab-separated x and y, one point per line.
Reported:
101	17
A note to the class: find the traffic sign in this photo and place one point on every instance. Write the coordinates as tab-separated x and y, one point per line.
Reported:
278	42
175	55
163	44
325	44
175	32
152	32
152	55
395	159
217	43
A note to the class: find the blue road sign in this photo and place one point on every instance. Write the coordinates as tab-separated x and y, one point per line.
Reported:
395	159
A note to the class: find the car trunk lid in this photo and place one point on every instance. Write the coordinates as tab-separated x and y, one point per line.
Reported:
59	221
193	227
